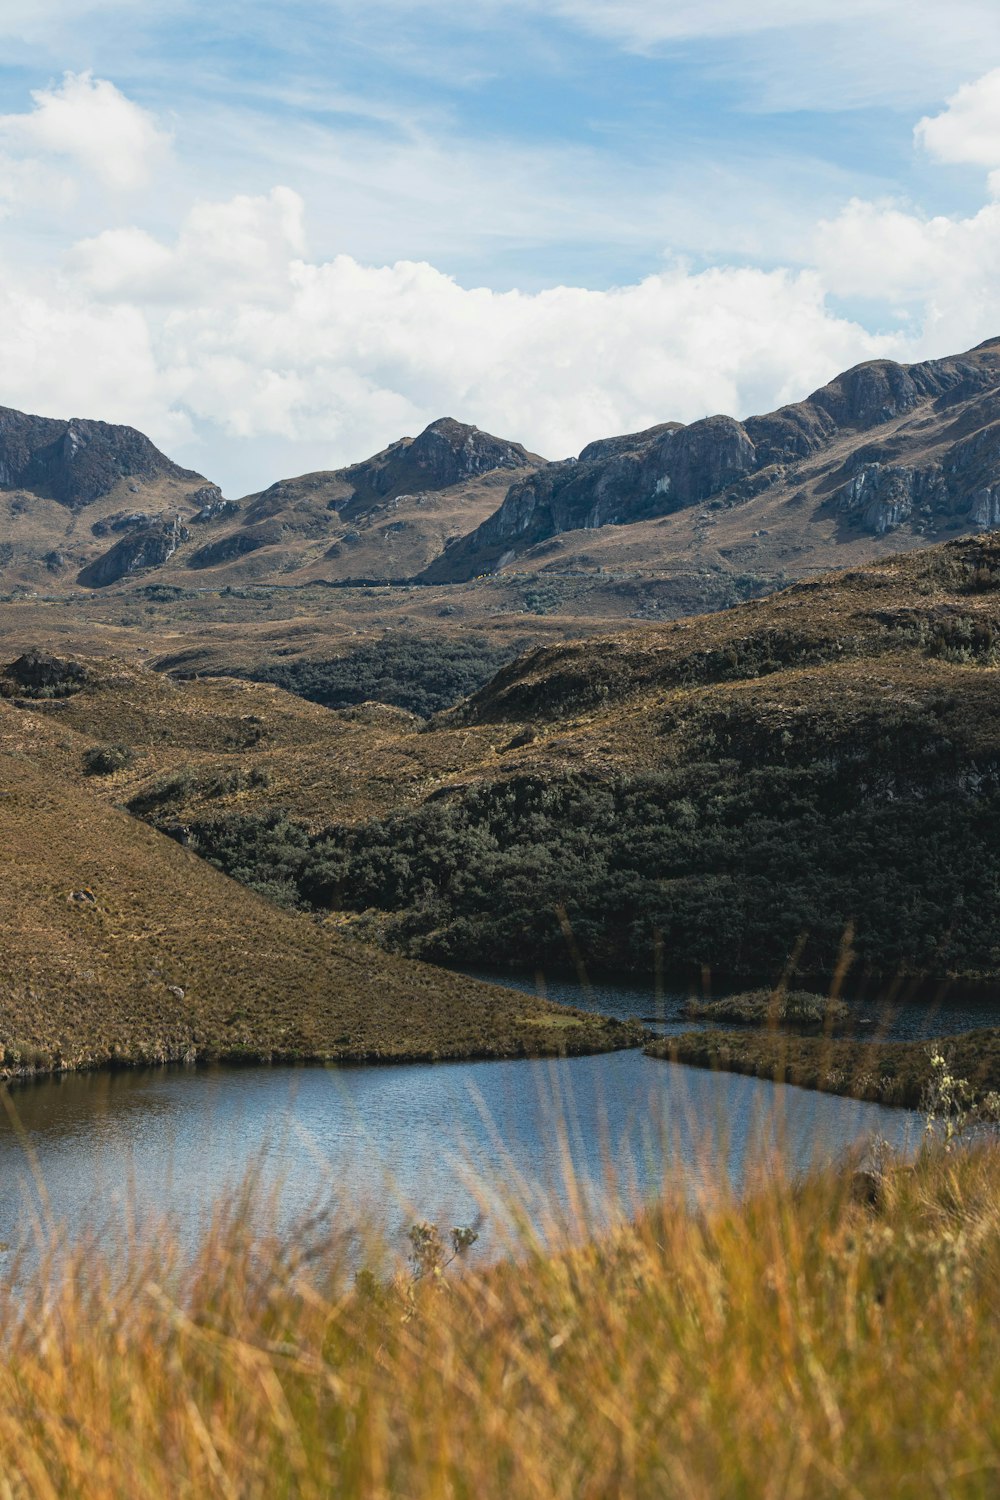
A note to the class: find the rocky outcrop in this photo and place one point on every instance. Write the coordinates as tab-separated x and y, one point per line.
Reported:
78	461
237	544
212	506
612	483
886	495
446	453
136	552
136	520
621	480
36	674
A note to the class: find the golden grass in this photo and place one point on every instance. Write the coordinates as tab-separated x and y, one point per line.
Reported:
118	945
794	1344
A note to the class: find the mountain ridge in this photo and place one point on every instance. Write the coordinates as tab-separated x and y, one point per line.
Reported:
884	458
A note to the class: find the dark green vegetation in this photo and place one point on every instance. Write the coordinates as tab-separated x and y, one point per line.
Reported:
886	1072
420	674
735	857
105	760
795	1010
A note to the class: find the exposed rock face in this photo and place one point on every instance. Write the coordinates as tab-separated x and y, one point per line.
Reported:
445	453
75	462
236	544
133	554
213	507
621	480
886	495
665	469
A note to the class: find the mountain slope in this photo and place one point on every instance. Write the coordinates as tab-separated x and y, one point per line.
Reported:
667	521
67	487
119	945
813	778
885	448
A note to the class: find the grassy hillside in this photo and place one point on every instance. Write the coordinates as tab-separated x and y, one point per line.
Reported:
121	946
817	774
798	1343
814	775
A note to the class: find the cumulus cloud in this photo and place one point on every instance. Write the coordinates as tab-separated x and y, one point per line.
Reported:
226	336
968	130
235	251
940	272
92	124
234	328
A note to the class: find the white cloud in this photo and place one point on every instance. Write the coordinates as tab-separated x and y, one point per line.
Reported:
242	250
225	336
92	124
969	129
347	356
65	355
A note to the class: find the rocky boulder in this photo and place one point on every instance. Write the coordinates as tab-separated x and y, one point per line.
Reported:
36	674
211	505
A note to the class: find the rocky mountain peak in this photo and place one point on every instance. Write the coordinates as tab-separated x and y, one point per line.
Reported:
445	453
672	467
78	461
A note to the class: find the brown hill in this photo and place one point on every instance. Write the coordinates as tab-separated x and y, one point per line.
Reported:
120	945
816	769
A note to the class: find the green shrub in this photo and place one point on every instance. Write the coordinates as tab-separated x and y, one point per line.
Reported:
104	760
798	1010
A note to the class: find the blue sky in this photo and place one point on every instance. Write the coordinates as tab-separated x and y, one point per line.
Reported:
277	237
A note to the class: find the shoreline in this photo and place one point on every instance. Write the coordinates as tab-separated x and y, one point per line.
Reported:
888	1073
621	1036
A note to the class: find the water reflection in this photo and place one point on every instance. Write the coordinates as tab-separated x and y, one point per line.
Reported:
394	1143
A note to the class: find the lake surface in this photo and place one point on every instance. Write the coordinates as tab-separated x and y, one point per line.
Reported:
443	1141
884	1017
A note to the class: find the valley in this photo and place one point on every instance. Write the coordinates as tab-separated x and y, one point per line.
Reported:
803	786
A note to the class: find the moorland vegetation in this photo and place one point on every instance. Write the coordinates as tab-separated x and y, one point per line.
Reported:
813	777
807	1339
723	791
418	673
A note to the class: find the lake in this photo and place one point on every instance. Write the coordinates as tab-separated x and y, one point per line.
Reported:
396	1143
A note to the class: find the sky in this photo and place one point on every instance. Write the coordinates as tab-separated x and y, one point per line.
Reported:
278	237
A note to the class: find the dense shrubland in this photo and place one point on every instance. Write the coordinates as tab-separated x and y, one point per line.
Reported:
713	862
422	674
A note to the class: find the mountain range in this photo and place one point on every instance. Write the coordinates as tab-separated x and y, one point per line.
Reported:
885	458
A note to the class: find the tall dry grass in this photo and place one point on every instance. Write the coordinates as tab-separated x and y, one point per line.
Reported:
799	1342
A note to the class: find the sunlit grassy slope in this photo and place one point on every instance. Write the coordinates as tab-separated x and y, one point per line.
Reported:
802	1343
120	945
